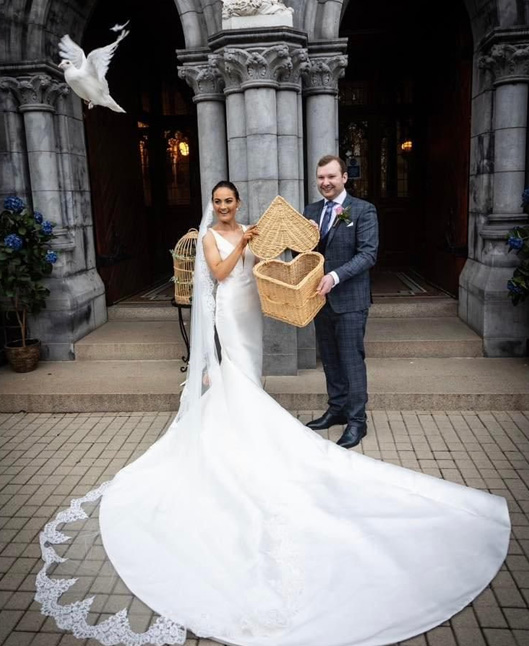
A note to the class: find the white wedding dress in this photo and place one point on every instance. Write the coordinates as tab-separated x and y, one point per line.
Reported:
255	531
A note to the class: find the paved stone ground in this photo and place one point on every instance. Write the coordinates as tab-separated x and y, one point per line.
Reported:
47	459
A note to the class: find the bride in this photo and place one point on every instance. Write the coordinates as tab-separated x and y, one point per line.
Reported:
244	526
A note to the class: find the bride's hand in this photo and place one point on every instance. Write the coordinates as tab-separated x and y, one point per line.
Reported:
248	235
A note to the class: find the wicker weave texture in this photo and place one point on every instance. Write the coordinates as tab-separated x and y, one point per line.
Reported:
24	359
288	289
184	266
281	227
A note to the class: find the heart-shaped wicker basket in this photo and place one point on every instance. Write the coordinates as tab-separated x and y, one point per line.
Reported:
287	289
281	227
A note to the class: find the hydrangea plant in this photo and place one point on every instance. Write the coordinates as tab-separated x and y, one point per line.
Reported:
25	259
518	241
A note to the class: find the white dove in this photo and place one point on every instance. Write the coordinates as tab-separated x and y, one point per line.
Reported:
86	74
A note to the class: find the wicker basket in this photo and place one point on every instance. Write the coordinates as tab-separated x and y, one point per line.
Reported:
184	265
287	289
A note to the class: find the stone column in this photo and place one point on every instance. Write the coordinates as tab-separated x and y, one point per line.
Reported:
301	152
253	71
262	85
484	302
211	120
327	66
36	97
15	177
76	304
511	67
235	131
238	162
290	163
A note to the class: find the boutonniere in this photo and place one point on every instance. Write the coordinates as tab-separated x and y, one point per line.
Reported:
342	215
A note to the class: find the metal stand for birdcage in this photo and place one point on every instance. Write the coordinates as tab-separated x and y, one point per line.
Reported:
183	331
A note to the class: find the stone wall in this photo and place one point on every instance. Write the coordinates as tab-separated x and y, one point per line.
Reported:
43	152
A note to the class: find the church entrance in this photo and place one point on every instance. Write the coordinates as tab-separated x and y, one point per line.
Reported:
404	110
144	178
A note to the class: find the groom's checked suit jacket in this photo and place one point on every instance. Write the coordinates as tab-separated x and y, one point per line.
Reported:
350	250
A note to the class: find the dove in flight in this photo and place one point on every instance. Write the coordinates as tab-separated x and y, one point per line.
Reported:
86	74
119	27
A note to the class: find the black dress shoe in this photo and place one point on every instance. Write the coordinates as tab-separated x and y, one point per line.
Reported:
352	435
326	420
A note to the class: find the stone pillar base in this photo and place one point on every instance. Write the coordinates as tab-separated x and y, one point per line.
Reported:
306	347
75	307
485	306
280	356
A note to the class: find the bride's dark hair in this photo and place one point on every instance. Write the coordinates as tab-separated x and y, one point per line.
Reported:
226	184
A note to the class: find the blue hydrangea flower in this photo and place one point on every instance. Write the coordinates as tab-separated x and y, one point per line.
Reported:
39	218
525	197
47	228
514	288
14	203
13	241
51	257
515	243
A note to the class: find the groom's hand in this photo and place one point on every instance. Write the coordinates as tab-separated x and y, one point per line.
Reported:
325	286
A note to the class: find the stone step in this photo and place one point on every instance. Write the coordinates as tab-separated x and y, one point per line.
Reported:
385	337
132	340
152	312
413	307
421	337
386	307
394	384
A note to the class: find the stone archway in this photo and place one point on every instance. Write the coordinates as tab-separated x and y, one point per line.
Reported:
56	179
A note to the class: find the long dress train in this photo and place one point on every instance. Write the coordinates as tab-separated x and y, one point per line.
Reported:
255	531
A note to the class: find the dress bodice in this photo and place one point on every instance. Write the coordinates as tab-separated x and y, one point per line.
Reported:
244	266
238	318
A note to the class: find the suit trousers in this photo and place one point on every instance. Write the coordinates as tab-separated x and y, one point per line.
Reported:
341	342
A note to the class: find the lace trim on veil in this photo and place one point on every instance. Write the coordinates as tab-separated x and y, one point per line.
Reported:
73	616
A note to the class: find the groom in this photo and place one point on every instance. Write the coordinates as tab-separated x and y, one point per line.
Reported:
349	242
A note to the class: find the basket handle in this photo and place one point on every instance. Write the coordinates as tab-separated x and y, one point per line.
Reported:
271	300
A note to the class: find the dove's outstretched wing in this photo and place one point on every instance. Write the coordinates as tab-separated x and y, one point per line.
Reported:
99	59
71	51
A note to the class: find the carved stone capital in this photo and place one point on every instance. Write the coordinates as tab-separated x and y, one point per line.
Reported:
205	79
322	74
507	62
39	91
300	66
257	67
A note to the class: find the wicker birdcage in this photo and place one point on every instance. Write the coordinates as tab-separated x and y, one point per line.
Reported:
184	265
287	289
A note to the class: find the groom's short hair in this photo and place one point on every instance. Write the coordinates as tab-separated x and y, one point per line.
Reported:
327	159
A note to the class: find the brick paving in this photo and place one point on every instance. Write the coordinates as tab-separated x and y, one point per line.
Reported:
48	459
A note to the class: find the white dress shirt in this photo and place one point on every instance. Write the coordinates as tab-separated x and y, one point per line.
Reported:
338	201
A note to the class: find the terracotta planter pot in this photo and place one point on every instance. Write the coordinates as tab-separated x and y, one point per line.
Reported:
23	359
